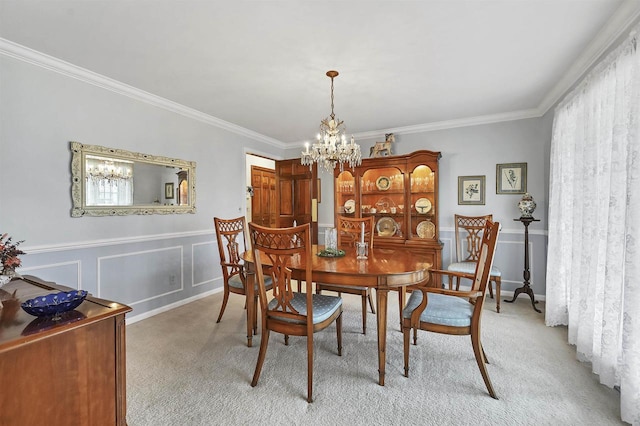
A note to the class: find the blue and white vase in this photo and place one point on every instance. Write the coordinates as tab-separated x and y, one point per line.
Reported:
526	205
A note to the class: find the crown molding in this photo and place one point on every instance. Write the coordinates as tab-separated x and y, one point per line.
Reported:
452	124
620	22
33	57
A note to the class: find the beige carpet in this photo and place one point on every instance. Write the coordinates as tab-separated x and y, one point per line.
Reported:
184	369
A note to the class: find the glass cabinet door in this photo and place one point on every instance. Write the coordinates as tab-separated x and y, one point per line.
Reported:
423	207
345	203
383	196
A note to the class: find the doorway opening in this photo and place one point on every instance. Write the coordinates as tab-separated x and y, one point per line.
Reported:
261	190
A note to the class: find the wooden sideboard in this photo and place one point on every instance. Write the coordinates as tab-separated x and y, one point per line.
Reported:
65	372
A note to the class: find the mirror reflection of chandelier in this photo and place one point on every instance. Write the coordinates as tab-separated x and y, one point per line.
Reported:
108	170
331	147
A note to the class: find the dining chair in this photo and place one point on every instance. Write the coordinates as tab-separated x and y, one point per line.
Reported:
230	234
468	235
453	311
349	232
288	312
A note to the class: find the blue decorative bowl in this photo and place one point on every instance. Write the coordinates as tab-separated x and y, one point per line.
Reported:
55	303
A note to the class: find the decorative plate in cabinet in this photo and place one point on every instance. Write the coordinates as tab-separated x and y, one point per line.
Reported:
426	229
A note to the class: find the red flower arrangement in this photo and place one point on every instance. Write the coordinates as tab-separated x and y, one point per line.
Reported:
9	253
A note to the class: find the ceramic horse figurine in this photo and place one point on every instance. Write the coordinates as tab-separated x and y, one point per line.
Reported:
381	149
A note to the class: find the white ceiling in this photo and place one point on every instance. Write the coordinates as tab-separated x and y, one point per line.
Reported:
404	65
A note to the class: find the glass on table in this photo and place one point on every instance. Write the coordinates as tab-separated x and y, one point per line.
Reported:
362	250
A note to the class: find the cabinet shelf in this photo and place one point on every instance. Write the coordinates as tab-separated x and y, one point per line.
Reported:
378	193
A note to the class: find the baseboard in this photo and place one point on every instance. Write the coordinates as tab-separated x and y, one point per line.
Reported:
154	312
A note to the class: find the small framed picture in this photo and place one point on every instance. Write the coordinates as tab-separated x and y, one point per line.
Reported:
471	189
511	178
168	190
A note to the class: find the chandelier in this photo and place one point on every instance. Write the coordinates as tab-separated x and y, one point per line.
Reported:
99	169
331	147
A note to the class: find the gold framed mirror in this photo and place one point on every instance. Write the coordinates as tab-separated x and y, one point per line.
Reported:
115	182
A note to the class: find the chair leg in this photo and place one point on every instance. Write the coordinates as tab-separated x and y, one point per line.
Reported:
364	314
261	355
457	283
402	291
310	368
225	299
481	361
373	309
490	284
286	340
415	336
339	333
498	284
255	315
405	335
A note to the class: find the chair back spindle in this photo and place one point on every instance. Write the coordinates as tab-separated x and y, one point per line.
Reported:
469	229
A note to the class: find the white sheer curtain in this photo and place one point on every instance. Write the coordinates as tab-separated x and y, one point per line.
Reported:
593	264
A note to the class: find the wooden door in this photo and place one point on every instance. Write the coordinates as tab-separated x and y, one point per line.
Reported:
297	195
263	202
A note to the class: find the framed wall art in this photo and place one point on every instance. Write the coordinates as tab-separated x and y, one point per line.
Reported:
471	190
168	190
511	178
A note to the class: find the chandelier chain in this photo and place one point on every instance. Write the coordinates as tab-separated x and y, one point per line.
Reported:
333	116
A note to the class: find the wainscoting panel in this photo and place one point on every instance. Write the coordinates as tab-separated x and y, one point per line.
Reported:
119	276
149	273
206	263
66	273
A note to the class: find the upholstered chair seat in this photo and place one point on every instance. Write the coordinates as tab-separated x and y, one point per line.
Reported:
323	306
441	309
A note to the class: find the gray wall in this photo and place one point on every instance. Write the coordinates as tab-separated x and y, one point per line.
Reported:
148	262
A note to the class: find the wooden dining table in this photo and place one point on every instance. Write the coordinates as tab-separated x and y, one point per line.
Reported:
384	269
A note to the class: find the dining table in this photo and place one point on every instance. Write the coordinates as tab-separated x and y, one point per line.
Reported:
384	269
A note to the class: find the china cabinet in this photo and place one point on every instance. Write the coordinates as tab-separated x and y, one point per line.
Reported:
401	192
